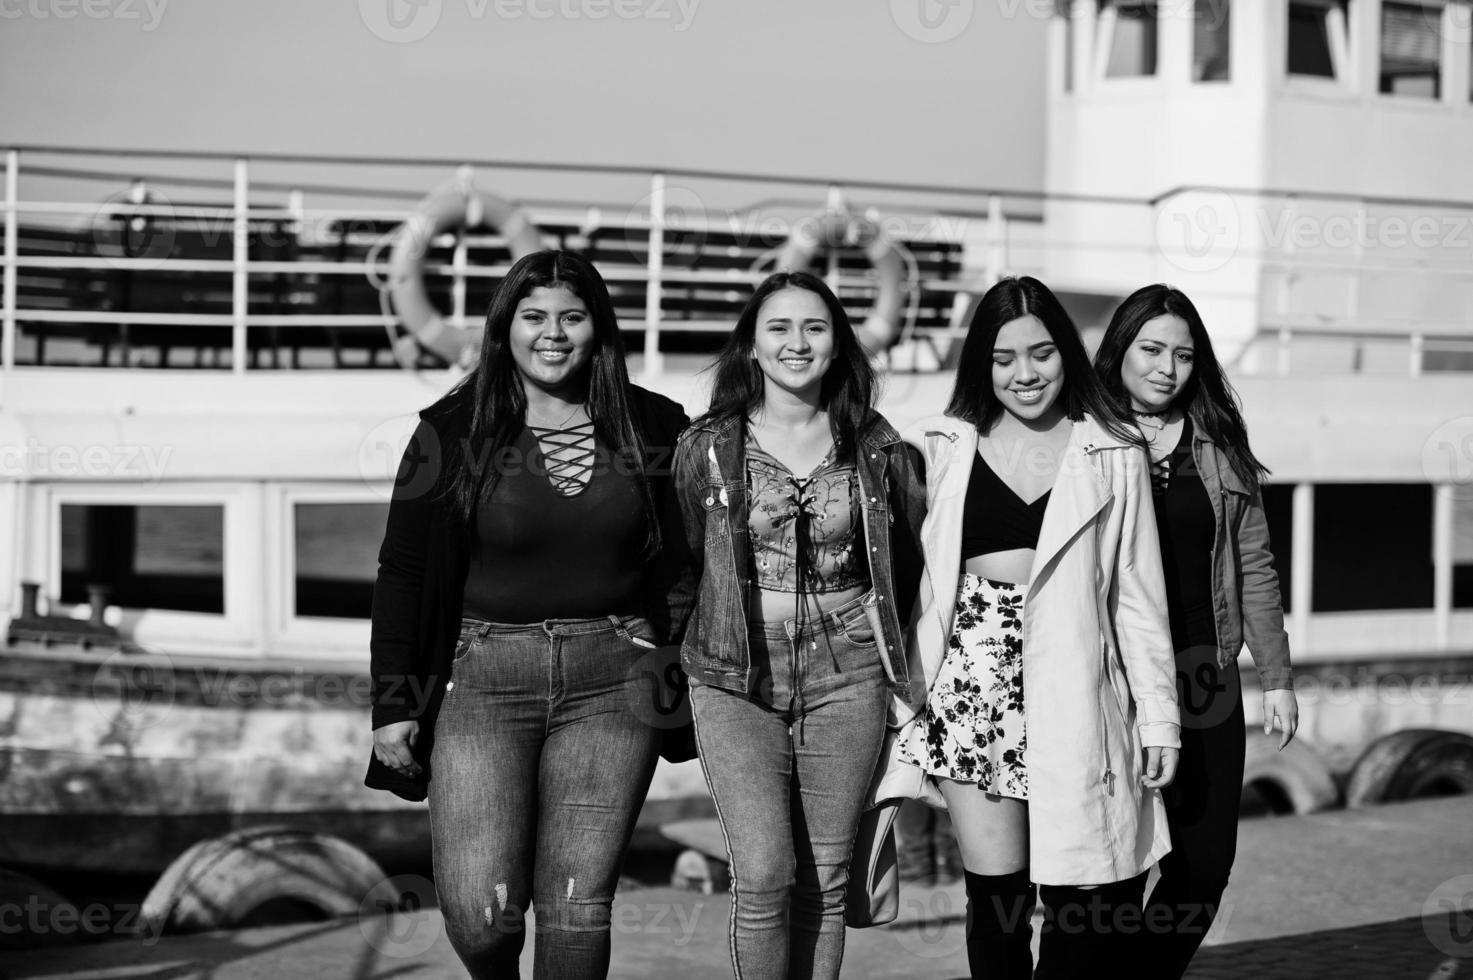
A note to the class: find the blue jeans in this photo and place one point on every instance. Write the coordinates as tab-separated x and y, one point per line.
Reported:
789	769
539	769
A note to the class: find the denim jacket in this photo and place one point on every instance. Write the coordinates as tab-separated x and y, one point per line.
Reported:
711	483
1246	604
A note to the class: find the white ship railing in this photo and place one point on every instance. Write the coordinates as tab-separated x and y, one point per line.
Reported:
997	244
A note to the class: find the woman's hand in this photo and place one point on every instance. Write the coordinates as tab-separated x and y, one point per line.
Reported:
1281	711
392	746
1160	767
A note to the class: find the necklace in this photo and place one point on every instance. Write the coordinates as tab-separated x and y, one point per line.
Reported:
561	425
1157	421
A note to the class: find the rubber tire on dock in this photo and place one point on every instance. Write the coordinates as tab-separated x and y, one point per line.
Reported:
1405	765
1298	772
218	882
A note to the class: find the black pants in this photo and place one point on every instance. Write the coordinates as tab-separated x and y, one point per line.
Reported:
1201	812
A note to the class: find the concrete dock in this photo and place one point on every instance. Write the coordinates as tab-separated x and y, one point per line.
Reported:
1377	894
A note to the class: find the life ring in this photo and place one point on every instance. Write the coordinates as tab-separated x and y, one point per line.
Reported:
1409	764
838	229
459	206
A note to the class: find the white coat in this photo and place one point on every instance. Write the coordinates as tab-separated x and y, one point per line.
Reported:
1098	663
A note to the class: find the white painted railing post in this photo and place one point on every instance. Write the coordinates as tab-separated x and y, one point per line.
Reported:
1302	566
1442	561
656	266
240	274
12	254
996	240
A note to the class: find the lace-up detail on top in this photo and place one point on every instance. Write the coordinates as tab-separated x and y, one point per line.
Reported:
569	455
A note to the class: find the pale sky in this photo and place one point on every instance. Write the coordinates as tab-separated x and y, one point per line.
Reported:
828	88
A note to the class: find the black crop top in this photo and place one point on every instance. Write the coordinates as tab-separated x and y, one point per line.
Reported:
994	517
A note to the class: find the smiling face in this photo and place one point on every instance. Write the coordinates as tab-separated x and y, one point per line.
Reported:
794	340
551	338
1158	364
1027	371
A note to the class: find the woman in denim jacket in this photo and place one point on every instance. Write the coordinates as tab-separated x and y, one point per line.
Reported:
803	509
1157	361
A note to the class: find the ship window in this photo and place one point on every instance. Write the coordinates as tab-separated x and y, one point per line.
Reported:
1411	49
1462	552
1211	28
154	556
337	557
1128	35
1386	563
1318	39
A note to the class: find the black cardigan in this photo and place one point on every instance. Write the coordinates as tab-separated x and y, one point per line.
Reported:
422	570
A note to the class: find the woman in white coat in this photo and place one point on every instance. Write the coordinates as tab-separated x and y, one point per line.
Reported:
1049	719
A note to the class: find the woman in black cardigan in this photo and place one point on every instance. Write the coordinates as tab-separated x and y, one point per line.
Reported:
531	564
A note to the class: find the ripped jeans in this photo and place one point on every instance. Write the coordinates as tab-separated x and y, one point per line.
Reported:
540	766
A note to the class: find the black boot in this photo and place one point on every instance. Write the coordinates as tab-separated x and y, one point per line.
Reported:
1090	932
1000	926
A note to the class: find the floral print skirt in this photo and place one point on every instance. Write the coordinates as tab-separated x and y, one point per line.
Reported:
971	729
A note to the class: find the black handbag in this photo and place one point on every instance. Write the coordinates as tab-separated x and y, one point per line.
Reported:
874	875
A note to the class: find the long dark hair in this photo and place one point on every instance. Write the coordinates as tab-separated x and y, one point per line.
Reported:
973	399
1207	398
485	411
848	387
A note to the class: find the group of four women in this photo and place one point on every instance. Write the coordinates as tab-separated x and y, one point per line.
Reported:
992	612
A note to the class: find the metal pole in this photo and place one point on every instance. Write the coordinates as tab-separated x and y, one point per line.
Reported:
240	292
1442	561
995	257
12	252
1302	563
656	265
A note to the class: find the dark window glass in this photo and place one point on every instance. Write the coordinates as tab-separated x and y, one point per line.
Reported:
1372	546
1133	46
1411	50
157	556
337	557
1211	48
1278	508
1309	37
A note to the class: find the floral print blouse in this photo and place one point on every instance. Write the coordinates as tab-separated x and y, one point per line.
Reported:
803	531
